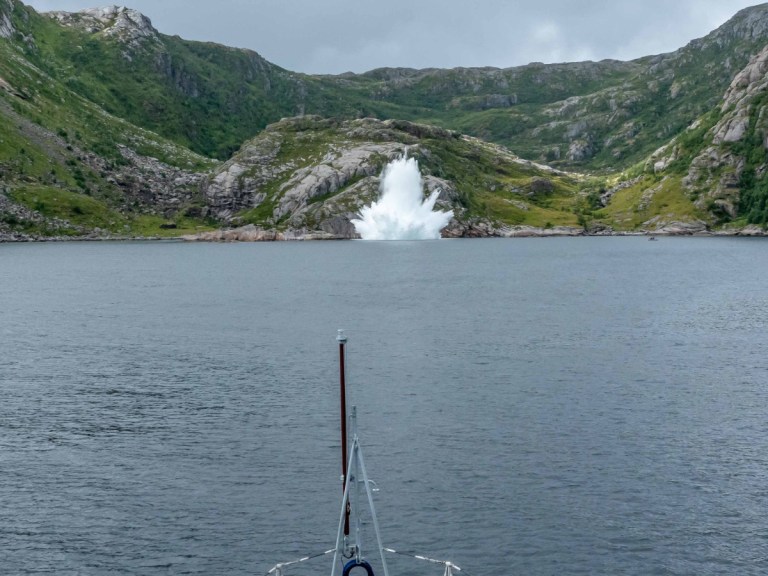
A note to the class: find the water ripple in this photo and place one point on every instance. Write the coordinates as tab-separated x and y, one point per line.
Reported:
584	406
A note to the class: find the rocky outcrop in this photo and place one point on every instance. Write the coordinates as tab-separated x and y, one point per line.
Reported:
128	26
748	82
579	150
715	172
251	233
483	228
248	180
660	227
325	187
737	103
161	188
335	171
752	231
7	29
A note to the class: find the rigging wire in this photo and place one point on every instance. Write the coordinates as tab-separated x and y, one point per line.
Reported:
433	560
281	565
277	568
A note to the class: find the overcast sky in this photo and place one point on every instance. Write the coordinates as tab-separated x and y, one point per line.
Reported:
334	36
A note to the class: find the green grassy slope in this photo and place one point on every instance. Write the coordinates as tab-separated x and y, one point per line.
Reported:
211	98
65	165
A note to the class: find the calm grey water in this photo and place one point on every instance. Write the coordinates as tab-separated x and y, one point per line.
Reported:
527	407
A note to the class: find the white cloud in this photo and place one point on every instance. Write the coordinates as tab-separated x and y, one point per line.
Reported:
546	33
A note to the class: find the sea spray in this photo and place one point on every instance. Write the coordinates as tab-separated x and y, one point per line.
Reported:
402	213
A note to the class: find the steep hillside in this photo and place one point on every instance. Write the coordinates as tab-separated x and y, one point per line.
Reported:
68	168
588	115
207	97
109	128
720	162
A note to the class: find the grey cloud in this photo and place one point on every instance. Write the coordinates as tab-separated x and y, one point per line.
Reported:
335	36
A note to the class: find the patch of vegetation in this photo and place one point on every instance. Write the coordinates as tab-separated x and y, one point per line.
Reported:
499	209
692	141
261	215
157	226
492	186
753	201
77	209
650	198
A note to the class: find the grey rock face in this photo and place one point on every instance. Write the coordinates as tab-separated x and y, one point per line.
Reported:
339	227
330	176
714	174
749	81
238	183
161	188
751	230
6	26
739	100
480	228
579	150
248	178
678	228
251	233
127	26
124	24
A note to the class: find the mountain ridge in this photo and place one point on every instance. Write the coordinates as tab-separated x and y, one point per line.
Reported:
107	108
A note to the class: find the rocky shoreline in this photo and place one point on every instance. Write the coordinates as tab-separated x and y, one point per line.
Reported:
251	233
17	237
254	234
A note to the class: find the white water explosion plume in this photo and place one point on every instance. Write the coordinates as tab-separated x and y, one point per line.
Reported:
402	213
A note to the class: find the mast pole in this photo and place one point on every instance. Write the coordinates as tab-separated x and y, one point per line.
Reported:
342	340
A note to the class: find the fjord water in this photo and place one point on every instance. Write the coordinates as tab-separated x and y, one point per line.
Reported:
558	406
